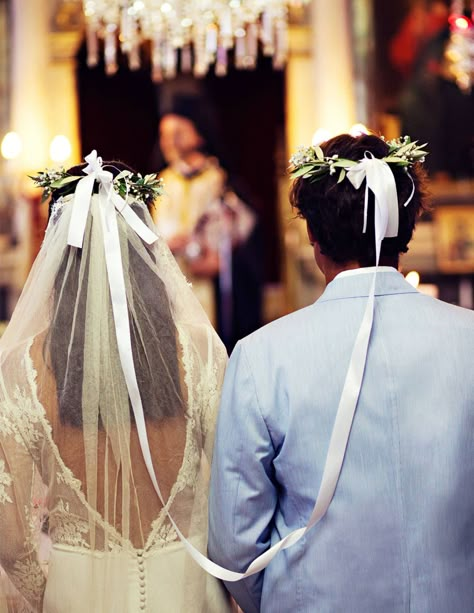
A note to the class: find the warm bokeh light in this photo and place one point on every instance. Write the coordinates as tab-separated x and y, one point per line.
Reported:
460	22
358	129
11	146
429	289
60	148
413	278
320	136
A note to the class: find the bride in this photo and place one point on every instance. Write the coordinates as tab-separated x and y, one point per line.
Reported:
109	374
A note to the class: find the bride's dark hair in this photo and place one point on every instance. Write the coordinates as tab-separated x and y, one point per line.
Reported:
153	332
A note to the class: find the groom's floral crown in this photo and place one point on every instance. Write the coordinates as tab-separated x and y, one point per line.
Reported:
311	163
144	188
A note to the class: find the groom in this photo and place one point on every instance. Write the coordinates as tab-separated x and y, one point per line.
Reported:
399	532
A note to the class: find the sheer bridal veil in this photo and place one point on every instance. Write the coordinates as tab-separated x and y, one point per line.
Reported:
69	436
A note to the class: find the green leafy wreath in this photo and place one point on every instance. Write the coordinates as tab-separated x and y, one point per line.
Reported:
145	188
311	163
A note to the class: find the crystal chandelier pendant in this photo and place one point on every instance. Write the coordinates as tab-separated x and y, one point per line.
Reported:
190	35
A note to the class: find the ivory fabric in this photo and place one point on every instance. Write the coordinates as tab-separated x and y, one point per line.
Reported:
399	534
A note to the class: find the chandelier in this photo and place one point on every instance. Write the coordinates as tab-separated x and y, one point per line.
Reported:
187	35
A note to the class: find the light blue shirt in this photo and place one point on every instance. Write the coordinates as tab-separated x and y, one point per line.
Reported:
399	533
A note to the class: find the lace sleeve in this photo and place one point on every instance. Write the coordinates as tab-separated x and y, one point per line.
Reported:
213	376
19	528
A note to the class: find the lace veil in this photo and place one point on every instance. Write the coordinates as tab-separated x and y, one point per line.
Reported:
70	457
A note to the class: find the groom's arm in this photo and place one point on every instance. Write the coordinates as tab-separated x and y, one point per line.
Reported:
243	495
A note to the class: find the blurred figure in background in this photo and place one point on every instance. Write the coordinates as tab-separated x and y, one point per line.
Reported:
210	229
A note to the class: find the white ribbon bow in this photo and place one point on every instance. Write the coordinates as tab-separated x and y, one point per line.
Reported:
381	182
107	196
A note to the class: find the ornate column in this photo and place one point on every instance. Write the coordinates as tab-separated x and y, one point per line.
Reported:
63	108
363	45
333	70
29	86
300	87
43	88
43	103
300	124
64	40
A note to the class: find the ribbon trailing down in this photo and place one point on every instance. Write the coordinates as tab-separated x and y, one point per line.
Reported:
380	180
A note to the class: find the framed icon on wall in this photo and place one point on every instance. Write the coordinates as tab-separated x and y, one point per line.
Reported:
454	238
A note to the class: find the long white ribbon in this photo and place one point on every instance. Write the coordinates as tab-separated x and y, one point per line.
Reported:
386	224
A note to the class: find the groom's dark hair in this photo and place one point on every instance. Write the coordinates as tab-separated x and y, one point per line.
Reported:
334	211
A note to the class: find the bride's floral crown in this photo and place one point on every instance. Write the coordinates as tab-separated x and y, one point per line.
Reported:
311	163
143	188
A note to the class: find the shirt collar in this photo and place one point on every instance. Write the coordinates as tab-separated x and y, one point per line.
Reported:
356	283
365	270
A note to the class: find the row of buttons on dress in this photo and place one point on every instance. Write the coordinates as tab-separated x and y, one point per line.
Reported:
141	576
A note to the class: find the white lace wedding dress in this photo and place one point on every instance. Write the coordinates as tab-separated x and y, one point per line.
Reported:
93	566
